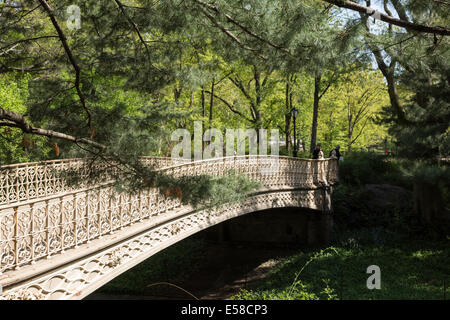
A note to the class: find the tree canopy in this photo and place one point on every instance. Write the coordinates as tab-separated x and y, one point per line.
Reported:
132	71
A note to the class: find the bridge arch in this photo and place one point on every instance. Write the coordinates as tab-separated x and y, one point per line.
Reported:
77	271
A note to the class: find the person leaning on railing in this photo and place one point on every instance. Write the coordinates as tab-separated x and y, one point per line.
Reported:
318	153
335	154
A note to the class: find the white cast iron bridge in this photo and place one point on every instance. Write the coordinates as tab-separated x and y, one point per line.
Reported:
63	243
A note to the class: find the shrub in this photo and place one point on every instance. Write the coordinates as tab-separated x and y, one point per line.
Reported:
366	167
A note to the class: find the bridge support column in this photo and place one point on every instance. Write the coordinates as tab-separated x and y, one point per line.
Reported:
320	225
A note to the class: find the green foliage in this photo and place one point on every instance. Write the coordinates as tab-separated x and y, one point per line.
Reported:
360	168
201	191
14	146
432	197
425	67
409	270
356	216
206	192
432	175
143	73
183	53
300	292
348	110
379	220
296	291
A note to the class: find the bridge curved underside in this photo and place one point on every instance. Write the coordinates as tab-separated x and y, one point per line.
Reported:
67	244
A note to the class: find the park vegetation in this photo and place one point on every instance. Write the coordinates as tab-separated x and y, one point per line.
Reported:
371	76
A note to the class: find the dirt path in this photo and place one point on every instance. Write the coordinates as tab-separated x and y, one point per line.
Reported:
251	278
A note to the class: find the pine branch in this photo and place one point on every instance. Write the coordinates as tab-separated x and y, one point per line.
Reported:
391	20
231	107
24	40
243	28
66	47
229	34
442	2
238	83
21	17
4	68
330	82
135	27
16	120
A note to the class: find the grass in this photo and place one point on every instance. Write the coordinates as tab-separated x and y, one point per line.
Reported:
412	270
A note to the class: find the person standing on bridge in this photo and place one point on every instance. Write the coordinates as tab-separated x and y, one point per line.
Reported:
335	154
318	153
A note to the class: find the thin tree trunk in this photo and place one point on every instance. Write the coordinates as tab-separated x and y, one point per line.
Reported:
287	117
191	103
291	94
349	134
317	80
428	203
257	76
203	102
203	112
211	104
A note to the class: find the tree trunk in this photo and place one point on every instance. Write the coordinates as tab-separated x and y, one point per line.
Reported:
287	117
317	80
349	134
203	112
428	203
203	101
258	122
211	104
394	98
191	103
177	94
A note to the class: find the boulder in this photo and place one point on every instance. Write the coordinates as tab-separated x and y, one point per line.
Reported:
383	196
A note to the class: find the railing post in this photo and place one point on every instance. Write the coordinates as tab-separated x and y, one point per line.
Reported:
61	221
47	229
88	240
120	212
45	179
27	182
99	210
32	233
130	212
16	242
75	218
7	186
110	211
36	181
17	184
140	205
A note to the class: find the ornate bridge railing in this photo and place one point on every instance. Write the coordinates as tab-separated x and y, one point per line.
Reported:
33	180
43	218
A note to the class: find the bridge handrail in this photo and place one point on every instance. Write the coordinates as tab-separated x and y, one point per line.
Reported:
33	180
169	169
